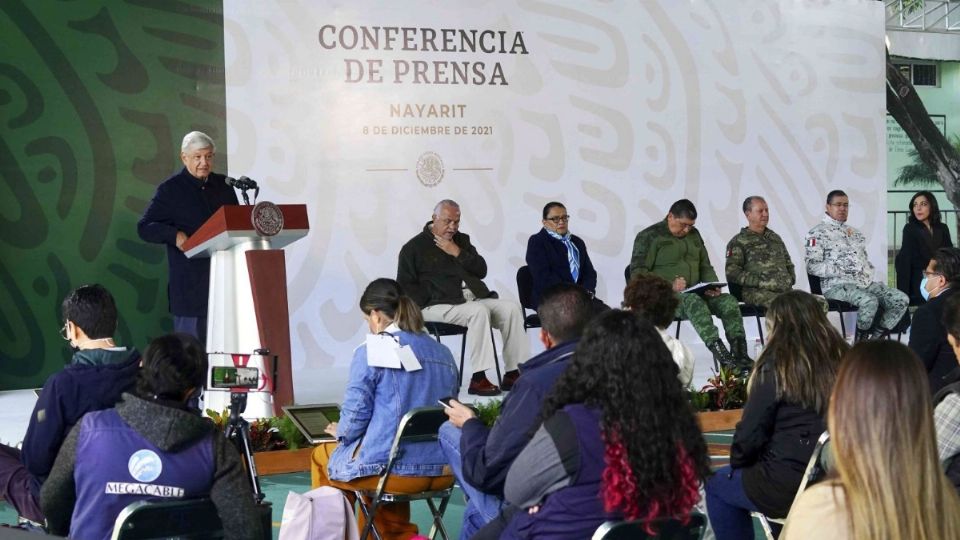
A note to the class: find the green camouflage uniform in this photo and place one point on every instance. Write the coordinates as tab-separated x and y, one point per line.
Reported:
760	264
657	251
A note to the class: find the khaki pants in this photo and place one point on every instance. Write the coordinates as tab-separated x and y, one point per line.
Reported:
393	519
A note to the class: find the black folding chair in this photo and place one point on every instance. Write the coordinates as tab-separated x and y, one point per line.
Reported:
748	310
418	425
525	291
440	329
187	519
838	306
666	529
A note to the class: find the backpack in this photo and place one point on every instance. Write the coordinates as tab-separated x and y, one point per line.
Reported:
320	514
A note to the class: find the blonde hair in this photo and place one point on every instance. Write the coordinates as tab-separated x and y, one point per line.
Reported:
881	424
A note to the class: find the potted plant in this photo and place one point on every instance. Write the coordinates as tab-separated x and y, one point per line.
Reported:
278	446
720	402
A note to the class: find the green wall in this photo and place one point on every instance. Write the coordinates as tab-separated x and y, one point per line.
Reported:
94	99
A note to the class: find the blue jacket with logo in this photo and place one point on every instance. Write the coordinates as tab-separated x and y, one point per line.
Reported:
144	450
375	401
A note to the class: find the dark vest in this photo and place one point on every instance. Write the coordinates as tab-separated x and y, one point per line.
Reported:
576	511
953	464
116	466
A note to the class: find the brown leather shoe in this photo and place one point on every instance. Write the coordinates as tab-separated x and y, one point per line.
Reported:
509	379
483	387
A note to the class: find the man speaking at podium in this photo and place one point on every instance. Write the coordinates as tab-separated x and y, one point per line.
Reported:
180	206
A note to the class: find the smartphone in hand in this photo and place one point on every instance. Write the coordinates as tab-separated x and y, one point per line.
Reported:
445	402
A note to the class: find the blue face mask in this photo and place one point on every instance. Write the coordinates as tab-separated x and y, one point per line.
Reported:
923	289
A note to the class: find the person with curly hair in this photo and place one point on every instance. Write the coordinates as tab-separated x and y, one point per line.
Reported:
605	450
888	483
652	297
782	418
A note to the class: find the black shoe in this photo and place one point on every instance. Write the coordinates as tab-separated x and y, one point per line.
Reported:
509	379
721	356
738	349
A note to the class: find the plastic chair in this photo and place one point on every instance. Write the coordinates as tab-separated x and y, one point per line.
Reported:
815	470
187	519
525	291
838	306
418	425
666	529
748	310
440	329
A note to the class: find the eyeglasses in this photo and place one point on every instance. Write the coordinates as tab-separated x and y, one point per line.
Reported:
931	274
63	332
559	219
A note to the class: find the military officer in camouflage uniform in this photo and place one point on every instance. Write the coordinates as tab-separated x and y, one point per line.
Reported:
673	249
757	259
837	254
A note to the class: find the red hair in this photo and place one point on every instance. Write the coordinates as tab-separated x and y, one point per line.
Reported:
619	487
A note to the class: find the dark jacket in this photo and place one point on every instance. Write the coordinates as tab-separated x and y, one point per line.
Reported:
548	263
430	276
916	250
488	452
184	203
928	338
170	429
94	380
773	443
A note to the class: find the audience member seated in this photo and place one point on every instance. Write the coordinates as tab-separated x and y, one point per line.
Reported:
652	297
94	379
923	234
928	337
374	403
757	259
619	440
555	255
443	273
782	418
946	415
888	484
674	250
151	447
837	254
480	456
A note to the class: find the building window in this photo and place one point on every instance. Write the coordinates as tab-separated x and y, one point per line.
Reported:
924	74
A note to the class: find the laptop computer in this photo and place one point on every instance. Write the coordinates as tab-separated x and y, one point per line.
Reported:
311	420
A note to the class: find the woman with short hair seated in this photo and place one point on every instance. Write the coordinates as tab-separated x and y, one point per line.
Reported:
888	483
151	447
608	449
376	399
782	419
652	297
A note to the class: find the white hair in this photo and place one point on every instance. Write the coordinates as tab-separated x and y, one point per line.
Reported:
445	202
196	140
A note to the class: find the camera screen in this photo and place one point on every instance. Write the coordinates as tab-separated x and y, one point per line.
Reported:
234	377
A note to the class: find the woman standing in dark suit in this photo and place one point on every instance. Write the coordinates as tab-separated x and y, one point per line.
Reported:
923	234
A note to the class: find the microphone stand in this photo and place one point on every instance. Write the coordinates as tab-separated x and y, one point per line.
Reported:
246	198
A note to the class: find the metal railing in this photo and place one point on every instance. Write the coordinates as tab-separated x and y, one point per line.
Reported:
932	16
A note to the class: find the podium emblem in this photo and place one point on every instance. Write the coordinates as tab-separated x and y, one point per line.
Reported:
430	169
267	218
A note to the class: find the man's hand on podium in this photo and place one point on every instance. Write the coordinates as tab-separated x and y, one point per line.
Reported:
181	238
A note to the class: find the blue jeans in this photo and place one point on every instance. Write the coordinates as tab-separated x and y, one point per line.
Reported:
481	508
728	506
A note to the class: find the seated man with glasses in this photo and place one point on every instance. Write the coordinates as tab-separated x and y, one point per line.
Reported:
555	255
928	335
674	250
93	380
837	254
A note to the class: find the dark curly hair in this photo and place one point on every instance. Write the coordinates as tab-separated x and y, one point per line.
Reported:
171	365
651	296
655	455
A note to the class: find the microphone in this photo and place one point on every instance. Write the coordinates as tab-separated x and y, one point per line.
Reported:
242	183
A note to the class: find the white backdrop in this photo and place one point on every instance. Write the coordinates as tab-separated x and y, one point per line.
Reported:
617	109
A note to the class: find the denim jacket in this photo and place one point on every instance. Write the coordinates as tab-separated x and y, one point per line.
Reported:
375	401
